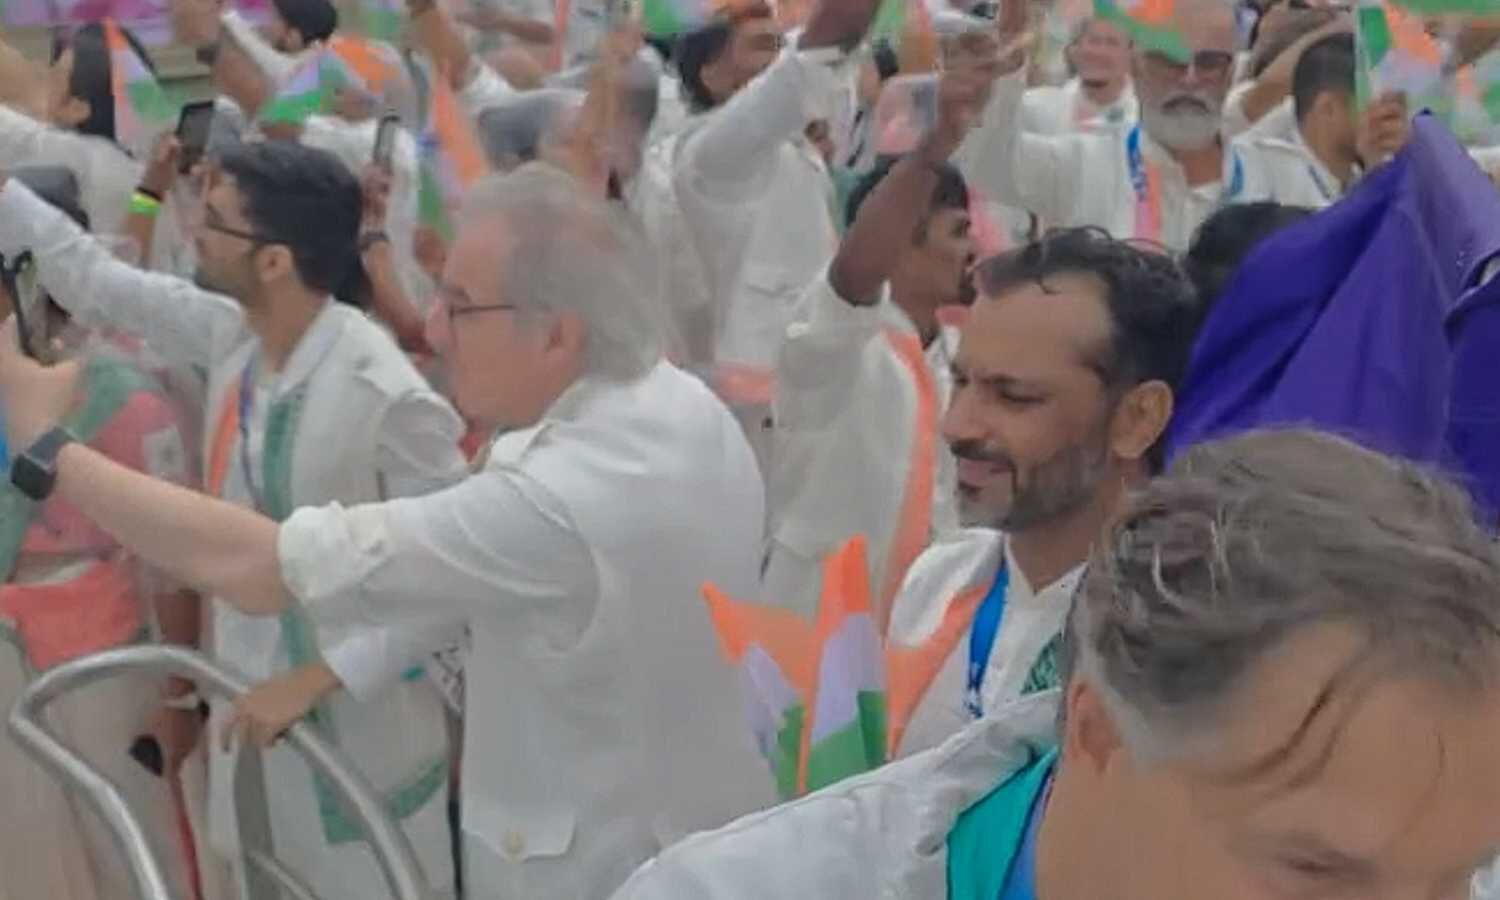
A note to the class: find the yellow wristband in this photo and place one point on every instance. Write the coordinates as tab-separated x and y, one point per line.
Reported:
143	205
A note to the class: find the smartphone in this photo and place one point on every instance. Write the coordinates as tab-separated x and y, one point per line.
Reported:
193	129
20	280
385	141
147	752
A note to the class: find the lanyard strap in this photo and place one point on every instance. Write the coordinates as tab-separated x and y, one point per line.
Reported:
1147	186
982	633
1312	171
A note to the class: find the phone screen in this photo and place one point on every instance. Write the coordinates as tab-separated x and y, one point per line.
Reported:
30	318
192	132
385	142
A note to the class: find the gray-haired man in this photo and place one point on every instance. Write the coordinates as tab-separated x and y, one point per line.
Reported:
1285	666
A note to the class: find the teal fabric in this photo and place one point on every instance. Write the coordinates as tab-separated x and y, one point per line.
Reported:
983	844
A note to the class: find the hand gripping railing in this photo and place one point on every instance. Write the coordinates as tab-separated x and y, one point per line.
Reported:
265	875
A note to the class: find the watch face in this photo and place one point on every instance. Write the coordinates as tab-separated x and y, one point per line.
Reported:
33	478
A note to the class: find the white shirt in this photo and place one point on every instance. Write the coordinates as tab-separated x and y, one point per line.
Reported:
1292	175
411	445
602	724
758	203
1066	108
1086	179
847	408
1030	620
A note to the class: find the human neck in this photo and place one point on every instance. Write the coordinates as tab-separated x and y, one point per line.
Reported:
1102	93
282	327
1202	166
1049	550
1326	149
1066	866
919	305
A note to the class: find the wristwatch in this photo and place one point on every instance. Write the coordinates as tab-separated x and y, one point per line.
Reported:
34	472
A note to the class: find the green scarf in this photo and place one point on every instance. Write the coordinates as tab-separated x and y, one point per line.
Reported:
300	638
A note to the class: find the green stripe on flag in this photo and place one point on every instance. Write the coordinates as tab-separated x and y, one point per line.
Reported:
787	751
1440	7
890	19
854	749
294	109
660	18
1490	99
1165	40
150	102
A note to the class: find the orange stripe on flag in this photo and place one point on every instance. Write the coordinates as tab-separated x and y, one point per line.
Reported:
456	135
223	440
362	60
1151	12
785	636
1410	37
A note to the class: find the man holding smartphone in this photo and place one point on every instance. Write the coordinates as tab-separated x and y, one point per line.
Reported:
308	402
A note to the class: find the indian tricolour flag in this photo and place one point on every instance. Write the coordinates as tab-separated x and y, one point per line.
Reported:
305	94
451	159
833	667
1396	53
667	18
847	732
1150	23
141	106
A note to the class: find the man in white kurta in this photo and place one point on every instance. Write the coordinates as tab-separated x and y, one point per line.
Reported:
342	417
602	725
985	606
1157	181
1099	95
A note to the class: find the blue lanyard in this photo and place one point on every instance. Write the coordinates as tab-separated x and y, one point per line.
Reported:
982	633
1312	170
4	448
1136	163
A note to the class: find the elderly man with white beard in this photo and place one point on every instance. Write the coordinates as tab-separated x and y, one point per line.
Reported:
1156	181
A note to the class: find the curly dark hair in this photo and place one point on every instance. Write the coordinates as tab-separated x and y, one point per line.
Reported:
1151	302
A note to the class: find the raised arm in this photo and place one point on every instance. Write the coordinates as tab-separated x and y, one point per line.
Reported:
181	321
275	65
1027	171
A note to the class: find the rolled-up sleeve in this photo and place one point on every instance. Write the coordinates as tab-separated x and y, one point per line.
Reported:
497	544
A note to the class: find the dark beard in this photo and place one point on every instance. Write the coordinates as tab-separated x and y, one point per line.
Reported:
1058	487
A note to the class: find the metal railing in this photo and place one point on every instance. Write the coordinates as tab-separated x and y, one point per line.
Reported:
265	875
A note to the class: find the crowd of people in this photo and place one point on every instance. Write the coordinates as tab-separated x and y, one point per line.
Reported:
455	477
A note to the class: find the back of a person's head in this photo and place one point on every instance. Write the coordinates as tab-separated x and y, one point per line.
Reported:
561	248
1149	300
1250	541
305	199
1298	25
1226	238
315	20
950	192
1326	66
91	78
514	132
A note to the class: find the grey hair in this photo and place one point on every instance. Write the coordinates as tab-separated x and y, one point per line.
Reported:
567	250
515	131
1248	540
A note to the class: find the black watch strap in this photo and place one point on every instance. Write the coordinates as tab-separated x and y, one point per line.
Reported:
34	472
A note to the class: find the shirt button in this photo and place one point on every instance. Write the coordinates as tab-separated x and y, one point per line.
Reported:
515	844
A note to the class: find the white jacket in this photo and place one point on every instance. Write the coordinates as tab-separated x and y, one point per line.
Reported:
881	836
857	448
370	426
1060	109
602	724
1084	179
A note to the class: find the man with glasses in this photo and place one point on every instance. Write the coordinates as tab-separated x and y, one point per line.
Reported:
1156	181
601	725
309	403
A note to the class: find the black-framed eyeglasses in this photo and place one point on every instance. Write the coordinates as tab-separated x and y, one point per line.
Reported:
1209	63
213	222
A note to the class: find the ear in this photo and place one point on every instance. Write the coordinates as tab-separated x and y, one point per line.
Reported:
295	42
274	263
1139	420
715	76
1090	738
566	336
